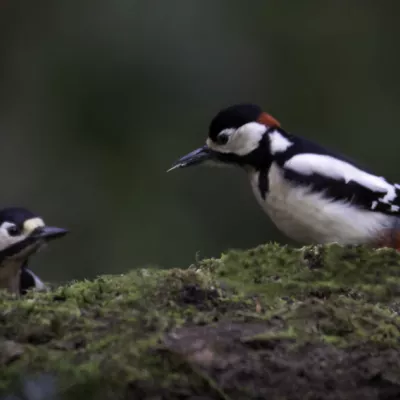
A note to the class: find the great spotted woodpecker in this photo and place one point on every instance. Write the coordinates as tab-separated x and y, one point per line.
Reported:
22	233
312	194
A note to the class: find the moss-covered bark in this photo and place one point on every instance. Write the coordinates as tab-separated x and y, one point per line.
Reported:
273	322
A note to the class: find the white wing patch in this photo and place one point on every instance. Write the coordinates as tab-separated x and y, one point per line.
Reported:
38	284
308	164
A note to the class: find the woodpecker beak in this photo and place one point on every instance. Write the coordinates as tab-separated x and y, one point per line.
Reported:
196	157
48	233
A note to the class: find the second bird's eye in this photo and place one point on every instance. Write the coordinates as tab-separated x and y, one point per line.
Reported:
13	230
222	138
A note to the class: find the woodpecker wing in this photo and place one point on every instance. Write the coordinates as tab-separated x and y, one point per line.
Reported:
29	280
340	180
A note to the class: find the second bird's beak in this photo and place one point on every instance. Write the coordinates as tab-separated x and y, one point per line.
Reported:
195	157
48	233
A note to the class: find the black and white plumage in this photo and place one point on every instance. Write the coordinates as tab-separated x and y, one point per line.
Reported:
312	194
29	280
22	234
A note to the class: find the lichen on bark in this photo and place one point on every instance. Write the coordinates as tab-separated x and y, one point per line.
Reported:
275	322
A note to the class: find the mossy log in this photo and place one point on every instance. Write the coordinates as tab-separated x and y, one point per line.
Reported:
273	322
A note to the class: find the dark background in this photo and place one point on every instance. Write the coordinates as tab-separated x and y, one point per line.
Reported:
98	98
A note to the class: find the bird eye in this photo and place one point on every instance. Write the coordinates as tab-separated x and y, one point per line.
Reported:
13	230
222	138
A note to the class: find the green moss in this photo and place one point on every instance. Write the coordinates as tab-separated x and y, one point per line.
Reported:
323	270
176	331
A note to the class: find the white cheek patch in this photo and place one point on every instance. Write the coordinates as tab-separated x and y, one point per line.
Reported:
221	147
242	141
278	143
31	224
5	239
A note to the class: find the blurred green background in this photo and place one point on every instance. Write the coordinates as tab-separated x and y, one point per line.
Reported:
98	98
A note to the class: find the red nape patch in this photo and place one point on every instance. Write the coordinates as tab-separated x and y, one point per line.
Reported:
268	120
389	238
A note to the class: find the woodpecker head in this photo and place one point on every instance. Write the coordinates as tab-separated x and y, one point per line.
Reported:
235	136
22	233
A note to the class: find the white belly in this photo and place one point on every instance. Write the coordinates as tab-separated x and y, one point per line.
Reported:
310	218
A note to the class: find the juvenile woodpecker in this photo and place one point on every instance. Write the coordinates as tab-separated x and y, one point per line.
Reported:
312	194
22	233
